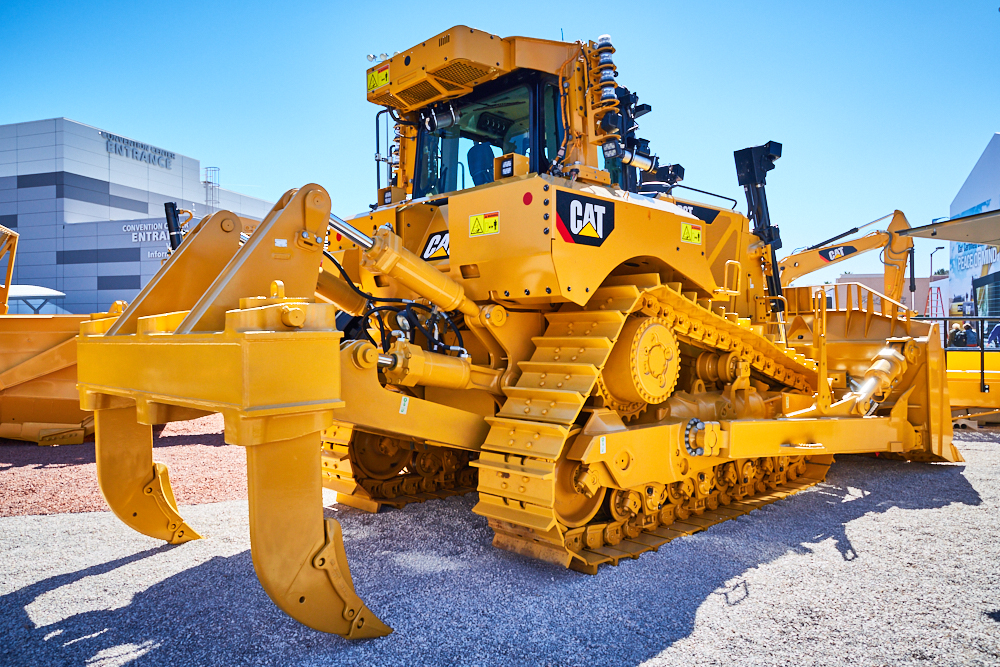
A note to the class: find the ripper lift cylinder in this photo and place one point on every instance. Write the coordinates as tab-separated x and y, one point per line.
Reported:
385	254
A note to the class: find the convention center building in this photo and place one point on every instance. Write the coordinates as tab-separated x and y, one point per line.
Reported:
88	207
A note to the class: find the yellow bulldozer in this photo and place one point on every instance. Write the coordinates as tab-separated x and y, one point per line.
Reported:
39	401
531	311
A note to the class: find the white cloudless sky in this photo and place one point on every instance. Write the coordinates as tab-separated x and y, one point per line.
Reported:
879	105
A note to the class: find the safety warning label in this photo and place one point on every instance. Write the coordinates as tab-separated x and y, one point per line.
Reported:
690	233
482	224
378	77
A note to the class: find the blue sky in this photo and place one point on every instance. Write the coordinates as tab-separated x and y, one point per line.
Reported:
879	105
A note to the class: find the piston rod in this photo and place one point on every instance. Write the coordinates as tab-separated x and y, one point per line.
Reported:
353	235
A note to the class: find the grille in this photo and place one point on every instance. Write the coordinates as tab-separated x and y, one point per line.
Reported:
387	100
448	86
421	92
443	40
460	72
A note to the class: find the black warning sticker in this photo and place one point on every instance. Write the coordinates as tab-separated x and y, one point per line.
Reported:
584	220
436	247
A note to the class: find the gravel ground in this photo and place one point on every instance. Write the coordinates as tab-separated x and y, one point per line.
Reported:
53	480
885	563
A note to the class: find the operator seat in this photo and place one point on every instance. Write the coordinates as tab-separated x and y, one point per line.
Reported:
480	159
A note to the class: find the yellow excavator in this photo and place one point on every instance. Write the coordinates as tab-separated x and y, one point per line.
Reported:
896	249
608	364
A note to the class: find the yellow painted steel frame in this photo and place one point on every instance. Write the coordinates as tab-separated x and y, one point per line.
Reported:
964	379
859	322
269	364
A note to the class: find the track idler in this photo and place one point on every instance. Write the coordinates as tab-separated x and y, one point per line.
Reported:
298	555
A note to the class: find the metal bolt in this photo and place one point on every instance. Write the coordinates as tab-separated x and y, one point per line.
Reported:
506	293
527	292
546	202
548	290
545	231
545	217
545	187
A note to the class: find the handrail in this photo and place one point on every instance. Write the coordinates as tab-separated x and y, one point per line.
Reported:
899	310
979	320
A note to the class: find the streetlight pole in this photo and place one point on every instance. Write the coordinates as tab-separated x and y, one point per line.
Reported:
940	247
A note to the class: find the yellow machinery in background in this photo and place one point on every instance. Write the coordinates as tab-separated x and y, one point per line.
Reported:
971	372
39	401
896	250
529	311
974	372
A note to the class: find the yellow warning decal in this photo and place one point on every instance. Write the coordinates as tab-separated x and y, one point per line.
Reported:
378	77
482	224
690	233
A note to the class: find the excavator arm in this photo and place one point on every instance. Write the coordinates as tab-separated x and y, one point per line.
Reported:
896	250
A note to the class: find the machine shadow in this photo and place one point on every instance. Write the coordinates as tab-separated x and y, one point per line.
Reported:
16	453
430	572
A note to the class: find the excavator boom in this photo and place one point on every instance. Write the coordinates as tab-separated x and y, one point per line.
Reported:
895	248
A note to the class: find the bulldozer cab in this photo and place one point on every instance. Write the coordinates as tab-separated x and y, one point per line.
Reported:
457	142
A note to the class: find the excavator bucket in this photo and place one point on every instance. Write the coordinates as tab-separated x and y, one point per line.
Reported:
218	340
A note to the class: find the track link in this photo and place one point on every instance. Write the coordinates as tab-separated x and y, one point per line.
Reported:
412	484
518	464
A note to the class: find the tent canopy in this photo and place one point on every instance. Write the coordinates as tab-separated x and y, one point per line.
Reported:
983	228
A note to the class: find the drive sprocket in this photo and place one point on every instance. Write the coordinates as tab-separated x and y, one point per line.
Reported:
642	368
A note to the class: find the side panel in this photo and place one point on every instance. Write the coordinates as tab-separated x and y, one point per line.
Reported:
586	246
